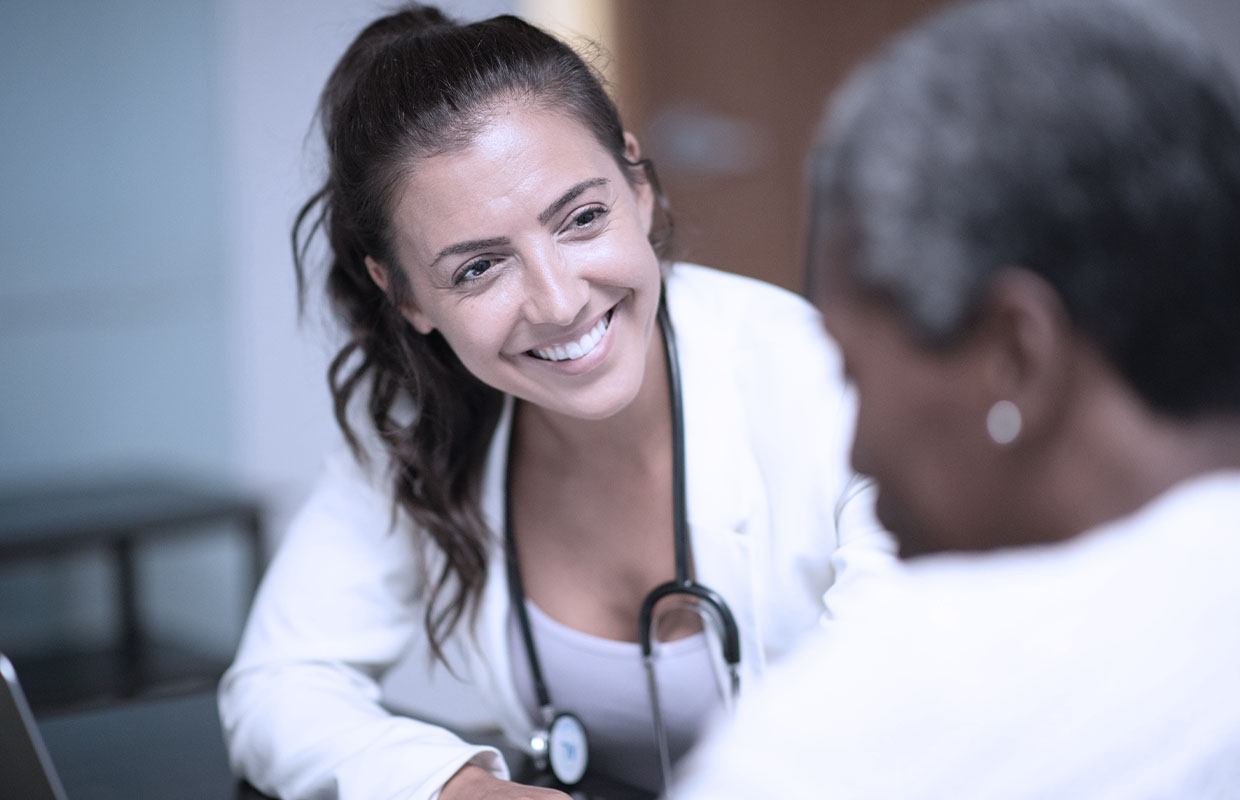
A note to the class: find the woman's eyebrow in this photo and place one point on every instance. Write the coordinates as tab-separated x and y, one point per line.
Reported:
469	246
481	244
568	197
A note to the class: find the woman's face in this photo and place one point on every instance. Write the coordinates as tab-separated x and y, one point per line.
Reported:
528	252
921	427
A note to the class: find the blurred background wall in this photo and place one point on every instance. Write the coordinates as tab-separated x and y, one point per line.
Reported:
114	316
726	95
153	155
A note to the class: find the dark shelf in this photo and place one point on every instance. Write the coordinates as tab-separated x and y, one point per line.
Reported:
49	519
119	514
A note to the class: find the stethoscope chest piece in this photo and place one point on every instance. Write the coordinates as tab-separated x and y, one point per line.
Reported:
568	752
563	747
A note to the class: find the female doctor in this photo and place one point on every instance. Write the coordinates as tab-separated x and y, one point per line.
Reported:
551	428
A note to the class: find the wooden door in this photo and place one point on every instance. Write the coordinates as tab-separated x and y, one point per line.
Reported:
725	96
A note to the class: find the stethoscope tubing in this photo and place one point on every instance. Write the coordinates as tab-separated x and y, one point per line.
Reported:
682	584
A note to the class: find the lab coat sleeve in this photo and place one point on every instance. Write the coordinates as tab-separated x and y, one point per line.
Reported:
862	554
300	705
837	546
864	558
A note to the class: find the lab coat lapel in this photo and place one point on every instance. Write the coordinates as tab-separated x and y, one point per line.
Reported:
492	653
723	486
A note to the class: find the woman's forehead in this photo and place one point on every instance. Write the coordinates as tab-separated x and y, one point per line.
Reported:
515	148
519	163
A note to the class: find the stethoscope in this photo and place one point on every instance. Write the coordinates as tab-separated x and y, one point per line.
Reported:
560	741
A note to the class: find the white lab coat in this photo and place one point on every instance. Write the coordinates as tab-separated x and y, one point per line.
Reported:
767	423
1106	667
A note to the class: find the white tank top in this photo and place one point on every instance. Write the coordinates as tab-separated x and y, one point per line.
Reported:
603	682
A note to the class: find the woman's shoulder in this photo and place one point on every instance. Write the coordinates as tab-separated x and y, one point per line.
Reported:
760	326
706	288
349	492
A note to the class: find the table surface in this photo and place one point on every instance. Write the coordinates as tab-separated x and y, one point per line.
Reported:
172	747
168	747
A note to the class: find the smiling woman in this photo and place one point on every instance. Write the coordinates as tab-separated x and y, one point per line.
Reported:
524	245
552	428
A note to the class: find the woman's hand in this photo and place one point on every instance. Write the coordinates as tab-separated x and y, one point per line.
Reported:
475	783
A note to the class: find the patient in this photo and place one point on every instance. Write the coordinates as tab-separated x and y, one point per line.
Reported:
1026	239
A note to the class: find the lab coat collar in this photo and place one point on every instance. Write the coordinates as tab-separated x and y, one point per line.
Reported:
722	477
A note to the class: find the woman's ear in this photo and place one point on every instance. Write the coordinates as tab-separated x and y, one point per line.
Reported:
642	188
377	274
412	314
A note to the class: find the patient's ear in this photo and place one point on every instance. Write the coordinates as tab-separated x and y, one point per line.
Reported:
1032	348
412	314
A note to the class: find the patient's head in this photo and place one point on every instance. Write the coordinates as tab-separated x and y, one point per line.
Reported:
1026	237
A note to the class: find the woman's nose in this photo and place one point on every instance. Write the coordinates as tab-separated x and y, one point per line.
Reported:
555	292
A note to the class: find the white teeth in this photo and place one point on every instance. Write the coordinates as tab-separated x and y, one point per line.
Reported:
574	350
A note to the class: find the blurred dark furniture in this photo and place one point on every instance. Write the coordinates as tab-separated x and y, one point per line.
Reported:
162	747
116	516
173	747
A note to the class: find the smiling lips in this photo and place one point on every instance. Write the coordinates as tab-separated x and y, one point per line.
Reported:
577	349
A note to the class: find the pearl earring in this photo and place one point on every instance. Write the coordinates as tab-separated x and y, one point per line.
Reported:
1003	422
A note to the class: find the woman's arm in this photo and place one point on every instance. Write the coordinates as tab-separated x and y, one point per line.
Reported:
338	606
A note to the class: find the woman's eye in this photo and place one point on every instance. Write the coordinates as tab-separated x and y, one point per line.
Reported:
474	269
587	217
